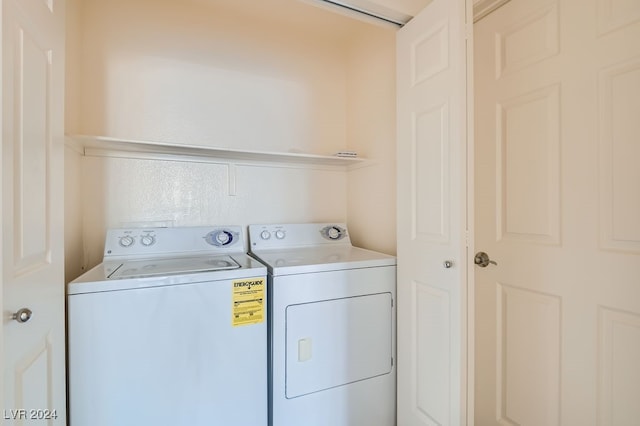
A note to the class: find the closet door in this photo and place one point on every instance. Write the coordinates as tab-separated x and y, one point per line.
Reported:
557	108
432	86
32	191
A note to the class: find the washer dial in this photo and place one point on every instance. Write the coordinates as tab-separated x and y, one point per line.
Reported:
265	235
220	237
280	234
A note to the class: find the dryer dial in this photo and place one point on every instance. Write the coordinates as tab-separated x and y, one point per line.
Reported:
280	234
333	232
265	235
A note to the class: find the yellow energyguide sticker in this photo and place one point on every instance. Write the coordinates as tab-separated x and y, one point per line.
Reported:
248	301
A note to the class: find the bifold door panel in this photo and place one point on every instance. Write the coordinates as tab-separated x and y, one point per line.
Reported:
335	342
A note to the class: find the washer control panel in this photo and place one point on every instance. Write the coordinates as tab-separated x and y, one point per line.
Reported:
179	240
129	238
297	235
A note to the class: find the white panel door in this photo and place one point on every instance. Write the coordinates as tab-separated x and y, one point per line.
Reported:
432	256
33	355
557	190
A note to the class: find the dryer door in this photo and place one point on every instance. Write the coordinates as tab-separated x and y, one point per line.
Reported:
332	343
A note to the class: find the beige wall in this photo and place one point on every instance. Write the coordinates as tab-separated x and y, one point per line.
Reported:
281	76
372	133
203	73
73	219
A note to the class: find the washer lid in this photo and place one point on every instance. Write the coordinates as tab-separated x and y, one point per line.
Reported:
320	259
173	266
97	279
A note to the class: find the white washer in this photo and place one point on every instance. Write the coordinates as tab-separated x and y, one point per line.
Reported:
331	327
169	330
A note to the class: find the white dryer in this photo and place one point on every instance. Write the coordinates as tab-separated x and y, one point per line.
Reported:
331	327
169	330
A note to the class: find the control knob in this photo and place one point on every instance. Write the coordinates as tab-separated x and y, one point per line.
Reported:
333	232
147	240
223	238
127	241
220	238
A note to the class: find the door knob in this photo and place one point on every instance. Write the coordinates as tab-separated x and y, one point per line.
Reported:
482	259
23	315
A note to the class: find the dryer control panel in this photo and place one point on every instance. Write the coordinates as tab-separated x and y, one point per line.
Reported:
297	235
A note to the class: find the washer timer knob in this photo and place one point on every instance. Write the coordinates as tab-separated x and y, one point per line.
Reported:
220	238
280	234
265	235
223	238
